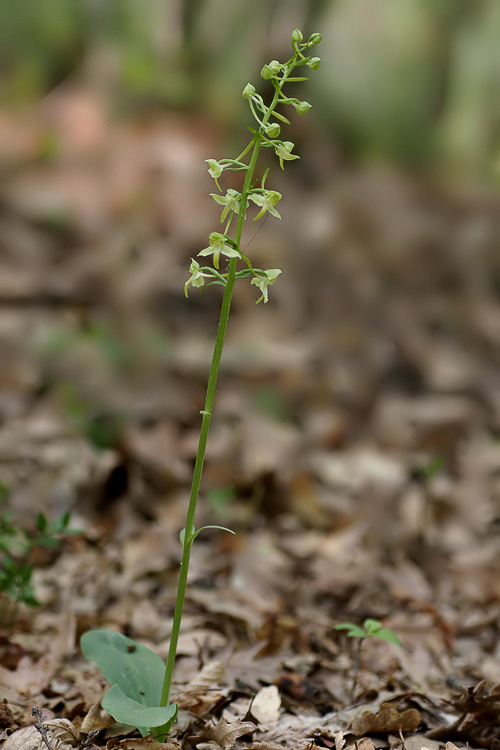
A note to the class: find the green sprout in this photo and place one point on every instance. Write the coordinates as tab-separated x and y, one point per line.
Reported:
16	547
140	682
371	629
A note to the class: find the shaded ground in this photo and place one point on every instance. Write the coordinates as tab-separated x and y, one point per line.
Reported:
377	358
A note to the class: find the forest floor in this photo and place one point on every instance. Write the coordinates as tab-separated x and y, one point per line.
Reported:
353	449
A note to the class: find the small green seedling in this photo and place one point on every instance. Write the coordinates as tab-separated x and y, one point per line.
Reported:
141	684
16	546
371	629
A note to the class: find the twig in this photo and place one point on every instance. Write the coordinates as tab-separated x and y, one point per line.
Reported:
41	728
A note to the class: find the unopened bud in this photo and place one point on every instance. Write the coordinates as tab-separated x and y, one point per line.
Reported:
314	63
273	130
297	36
314	39
266	73
248	91
302	108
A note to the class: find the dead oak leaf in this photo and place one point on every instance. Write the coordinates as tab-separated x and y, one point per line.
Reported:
364	744
387	719
224	735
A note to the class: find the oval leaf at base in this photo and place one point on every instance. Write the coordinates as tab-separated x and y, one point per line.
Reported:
128	711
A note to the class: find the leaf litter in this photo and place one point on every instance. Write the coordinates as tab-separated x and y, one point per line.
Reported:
376	360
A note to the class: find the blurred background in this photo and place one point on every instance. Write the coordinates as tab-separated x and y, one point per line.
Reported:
384	326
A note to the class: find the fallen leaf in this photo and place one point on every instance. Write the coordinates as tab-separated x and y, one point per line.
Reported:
266	707
60	732
224	735
387	719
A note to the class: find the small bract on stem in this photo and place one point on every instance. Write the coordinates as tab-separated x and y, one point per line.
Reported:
140	691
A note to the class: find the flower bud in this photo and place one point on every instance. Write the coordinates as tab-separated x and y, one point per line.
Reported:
266	73
248	91
314	39
275	66
273	130
314	63
302	108
297	36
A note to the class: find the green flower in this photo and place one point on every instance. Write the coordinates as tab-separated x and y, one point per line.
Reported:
230	201
283	152
217	246
267	201
197	278
263	282
215	169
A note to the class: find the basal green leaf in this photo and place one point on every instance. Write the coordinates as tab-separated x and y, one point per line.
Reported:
129	711
137	670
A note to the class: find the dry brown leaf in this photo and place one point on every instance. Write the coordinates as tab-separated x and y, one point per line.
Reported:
340	741
224	735
203	691
266	707
61	733
211	674
96	718
32	676
365	743
387	719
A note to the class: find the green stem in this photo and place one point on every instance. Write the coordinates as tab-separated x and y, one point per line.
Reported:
357	659
205	426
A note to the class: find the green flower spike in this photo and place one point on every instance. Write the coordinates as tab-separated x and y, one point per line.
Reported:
263	282
230	201
217	246
197	278
267	201
283	152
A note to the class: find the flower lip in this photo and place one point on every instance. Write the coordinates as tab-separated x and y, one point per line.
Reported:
267	201
197	278
218	246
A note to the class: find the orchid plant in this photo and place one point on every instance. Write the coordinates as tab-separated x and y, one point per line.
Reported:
141	683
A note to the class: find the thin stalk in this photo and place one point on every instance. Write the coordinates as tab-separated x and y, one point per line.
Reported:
357	658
